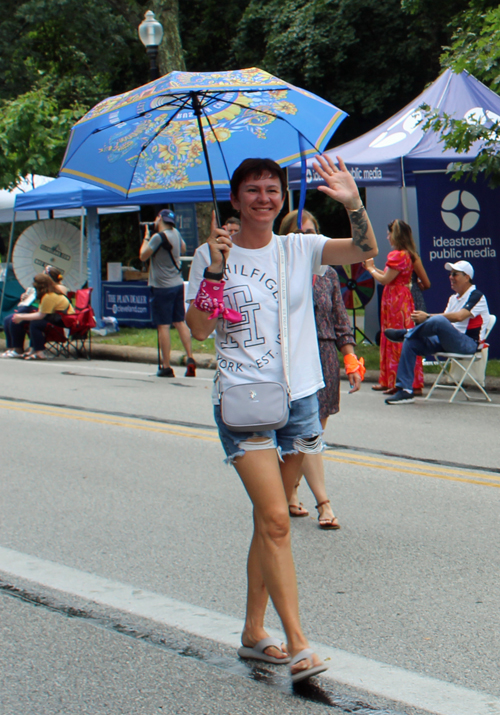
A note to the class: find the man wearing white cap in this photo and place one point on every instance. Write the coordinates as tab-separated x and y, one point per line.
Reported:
459	329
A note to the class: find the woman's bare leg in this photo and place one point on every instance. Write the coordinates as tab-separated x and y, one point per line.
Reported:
270	562
314	472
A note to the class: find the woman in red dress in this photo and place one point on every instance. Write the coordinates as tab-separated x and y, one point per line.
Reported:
397	302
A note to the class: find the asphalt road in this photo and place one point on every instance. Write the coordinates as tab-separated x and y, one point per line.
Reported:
110	472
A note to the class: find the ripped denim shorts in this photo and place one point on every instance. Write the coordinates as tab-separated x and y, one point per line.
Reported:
302	433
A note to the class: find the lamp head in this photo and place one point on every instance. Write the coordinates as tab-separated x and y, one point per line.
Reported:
150	30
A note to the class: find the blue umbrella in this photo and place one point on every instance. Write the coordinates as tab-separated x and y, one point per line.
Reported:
187	132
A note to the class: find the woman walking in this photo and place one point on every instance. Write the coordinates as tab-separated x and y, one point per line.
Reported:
248	350
334	333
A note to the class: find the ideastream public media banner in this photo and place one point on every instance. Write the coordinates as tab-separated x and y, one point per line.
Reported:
460	220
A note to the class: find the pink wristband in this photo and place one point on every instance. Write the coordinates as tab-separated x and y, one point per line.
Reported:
210	299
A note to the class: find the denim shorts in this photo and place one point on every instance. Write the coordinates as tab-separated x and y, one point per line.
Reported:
302	432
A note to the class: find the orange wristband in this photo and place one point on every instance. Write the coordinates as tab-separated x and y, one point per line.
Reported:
352	364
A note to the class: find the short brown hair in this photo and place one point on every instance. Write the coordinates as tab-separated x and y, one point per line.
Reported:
257	167
289	223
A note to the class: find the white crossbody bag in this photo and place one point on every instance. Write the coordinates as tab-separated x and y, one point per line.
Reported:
259	406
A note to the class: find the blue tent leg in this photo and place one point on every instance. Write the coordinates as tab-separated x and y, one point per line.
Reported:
94	263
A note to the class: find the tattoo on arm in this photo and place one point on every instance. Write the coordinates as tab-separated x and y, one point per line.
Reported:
359	223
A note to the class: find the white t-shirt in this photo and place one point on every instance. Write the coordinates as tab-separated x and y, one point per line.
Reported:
250	351
475	302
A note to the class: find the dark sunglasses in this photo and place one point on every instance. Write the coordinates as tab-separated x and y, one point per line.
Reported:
457	273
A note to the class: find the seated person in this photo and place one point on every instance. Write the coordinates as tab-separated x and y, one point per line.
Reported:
56	276
50	304
28	304
459	329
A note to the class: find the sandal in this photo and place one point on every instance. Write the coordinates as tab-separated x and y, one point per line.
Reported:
326	523
379	388
306	654
300	510
258	651
34	356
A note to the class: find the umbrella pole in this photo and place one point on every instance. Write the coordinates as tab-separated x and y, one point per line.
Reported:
197	111
9	255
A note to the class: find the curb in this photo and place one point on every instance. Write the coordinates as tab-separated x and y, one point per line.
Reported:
149	356
130	353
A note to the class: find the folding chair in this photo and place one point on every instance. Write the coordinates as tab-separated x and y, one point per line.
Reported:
73	338
56	341
77	327
457	368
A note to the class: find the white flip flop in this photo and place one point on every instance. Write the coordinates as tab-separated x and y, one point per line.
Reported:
307	653
257	652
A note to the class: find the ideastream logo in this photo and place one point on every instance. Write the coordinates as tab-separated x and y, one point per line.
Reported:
460	210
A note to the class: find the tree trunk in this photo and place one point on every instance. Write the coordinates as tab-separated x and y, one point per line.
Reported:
170	55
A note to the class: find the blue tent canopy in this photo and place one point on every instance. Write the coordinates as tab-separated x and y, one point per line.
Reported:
390	154
65	193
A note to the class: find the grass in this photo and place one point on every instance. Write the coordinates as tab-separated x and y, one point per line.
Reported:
146	338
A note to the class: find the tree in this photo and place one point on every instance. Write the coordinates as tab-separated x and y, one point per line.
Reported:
34	132
461	135
365	56
475	47
208	29
57	59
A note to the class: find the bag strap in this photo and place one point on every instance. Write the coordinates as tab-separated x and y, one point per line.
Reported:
165	243
283	313
283	321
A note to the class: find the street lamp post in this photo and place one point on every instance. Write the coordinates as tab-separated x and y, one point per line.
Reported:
151	34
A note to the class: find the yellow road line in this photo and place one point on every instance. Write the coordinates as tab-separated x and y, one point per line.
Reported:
403	463
343	457
421	473
145	425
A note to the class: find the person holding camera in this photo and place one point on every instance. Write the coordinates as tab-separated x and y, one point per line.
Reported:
164	250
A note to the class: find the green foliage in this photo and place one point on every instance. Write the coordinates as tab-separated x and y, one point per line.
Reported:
33	134
460	135
57	59
208	28
475	45
363	55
